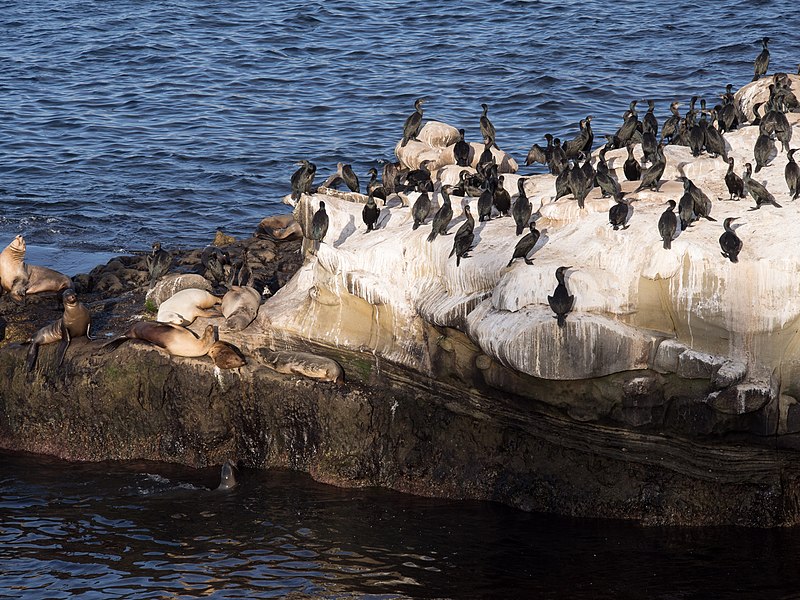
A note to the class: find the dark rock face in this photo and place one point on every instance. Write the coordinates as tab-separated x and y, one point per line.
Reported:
137	403
643	445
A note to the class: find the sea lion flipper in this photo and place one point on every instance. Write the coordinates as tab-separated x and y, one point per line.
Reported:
88	332
115	343
33	353
63	344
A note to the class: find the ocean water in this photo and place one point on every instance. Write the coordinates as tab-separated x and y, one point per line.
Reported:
145	530
122	123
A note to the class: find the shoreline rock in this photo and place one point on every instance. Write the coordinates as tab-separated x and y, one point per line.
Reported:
668	398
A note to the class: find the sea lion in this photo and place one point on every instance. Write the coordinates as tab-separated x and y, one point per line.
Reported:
75	322
13	274
183	307
226	356
42	279
227	478
240	306
306	364
176	340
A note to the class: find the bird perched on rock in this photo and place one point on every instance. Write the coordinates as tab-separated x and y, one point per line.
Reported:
561	301
537	154
729	242
461	150
759	193
158	263
502	199
487	129
522	209
734	182
345	173
525	244
370	213
443	216
620	213
632	169
651	178
672	125
464	237
701	202
792	175
413	123
421	209
668	225
374	186
319	223
763	150
303	178
761	63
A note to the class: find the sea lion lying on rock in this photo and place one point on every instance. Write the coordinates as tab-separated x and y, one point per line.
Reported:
179	341
185	306
42	279
240	306
306	364
75	322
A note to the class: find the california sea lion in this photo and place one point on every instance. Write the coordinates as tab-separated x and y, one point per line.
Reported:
185	306
307	365
176	340
226	356
42	279
227	478
75	322
13	275
239	306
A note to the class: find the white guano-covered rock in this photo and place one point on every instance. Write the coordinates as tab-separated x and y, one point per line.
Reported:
687	310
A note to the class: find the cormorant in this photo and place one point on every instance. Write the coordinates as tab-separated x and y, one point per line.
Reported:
303	178
375	187
650	123
563	181
686	211
537	154
608	184
370	213
576	145
461	150
464	236
158	263
522	209
486	201
734	182
668	225
714	142
792	175
729	242
502	199
443	216
701	202
756	190
763	150
671	126
561	301
319	223
343	173
651	177
619	214
631	168
487	129
413	123
486	158
761	63
421	209
525	245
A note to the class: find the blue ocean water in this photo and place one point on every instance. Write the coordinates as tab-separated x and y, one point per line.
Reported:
122	123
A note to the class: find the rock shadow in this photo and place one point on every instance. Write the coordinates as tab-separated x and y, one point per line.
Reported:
347	231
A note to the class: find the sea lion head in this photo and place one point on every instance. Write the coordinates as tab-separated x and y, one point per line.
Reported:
70	297
226	356
227	479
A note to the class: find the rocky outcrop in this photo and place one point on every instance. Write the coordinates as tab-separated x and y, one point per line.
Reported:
669	396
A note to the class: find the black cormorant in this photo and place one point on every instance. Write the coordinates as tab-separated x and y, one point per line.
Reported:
729	242
443	216
370	213
525	245
561	301
463	238
413	122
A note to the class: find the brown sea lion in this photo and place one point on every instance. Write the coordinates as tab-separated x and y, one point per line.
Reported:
306	364
13	274
76	322
185	306
42	279
240	306
226	356
176	340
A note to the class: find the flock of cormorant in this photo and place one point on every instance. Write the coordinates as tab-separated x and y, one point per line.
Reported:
571	162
